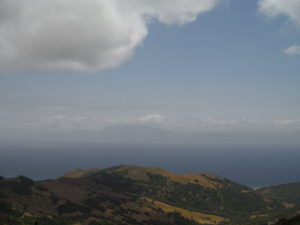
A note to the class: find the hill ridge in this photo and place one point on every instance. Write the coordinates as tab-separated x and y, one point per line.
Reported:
133	195
137	172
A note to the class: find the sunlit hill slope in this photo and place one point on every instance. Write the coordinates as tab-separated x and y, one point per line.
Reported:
128	195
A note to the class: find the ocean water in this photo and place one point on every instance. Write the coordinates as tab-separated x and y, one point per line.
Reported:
252	166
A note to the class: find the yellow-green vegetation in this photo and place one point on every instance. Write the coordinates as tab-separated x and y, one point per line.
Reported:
197	217
288	205
258	216
139	173
77	173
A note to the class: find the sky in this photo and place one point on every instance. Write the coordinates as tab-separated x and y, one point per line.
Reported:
206	73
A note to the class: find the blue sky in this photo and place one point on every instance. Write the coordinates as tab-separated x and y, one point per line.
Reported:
225	71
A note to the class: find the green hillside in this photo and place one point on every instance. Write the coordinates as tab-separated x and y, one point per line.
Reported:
287	193
129	195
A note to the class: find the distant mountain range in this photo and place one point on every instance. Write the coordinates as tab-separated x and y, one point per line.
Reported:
130	195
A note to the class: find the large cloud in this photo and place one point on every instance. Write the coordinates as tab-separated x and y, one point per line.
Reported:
274	8
83	35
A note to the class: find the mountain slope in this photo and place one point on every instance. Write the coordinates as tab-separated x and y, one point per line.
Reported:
128	195
289	194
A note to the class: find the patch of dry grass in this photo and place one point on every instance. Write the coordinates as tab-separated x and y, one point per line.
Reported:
197	217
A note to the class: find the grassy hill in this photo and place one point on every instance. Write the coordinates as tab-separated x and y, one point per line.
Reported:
289	194
129	195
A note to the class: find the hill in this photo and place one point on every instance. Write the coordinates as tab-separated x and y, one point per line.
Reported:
129	195
287	193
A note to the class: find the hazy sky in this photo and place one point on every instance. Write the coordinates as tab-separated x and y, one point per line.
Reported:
192	66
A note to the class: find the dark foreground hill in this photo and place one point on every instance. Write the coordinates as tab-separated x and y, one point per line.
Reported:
128	195
288	193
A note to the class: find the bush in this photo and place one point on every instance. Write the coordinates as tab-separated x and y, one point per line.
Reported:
69	207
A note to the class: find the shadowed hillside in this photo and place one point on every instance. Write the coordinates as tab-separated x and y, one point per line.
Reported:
288	193
128	195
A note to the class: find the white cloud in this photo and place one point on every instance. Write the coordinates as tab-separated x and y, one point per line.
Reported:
274	8
202	123
287	122
293	50
288	8
63	122
91	122
83	35
33	120
155	119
